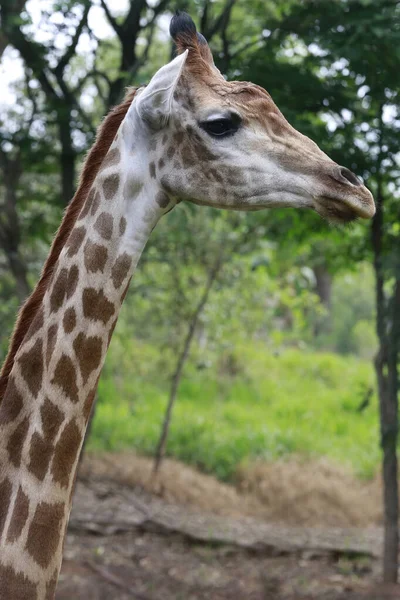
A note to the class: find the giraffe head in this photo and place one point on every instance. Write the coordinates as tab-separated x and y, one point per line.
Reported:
226	144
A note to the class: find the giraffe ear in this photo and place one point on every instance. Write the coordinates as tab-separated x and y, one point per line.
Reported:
154	103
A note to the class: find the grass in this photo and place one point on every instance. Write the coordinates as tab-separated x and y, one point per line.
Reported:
277	405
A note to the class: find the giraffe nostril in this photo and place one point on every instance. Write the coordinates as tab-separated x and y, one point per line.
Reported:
349	176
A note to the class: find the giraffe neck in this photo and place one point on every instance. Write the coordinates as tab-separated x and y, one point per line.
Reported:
44	412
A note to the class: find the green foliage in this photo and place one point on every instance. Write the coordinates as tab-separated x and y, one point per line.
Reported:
247	403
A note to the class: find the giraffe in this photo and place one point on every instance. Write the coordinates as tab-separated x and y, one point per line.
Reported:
189	135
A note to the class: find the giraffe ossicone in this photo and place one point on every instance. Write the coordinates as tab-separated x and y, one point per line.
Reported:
189	135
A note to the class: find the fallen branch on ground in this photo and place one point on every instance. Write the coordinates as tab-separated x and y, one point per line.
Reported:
109	516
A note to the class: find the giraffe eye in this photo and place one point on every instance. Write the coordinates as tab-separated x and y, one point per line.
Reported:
222	127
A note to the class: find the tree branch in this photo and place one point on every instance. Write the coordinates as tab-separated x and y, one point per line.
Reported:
204	17
182	358
110	18
221	22
143	58
128	33
94	74
30	52
131	24
15	7
65	59
157	10
32	99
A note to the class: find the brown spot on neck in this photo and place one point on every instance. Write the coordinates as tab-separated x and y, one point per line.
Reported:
95	257
89	353
121	269
15	586
104	225
65	378
31	365
73	277
45	532
75	240
65	454
41	447
5	498
69	320
132	187
19	516
110	186
12	403
52	417
40	453
37	324
51	342
113	157
91	205
16	442
88	204
96	305
59	290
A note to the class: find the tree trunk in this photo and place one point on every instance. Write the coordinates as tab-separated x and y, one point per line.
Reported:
390	430
16	6
128	33
10	229
389	434
323	287
387	377
177	375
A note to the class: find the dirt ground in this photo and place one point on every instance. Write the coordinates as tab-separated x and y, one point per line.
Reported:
126	543
150	566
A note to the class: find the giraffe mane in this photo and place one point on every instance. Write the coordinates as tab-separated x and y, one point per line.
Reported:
104	138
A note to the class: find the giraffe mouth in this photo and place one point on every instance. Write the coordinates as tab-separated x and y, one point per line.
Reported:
344	210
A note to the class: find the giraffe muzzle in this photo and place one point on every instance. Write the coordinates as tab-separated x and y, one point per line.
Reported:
345	198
